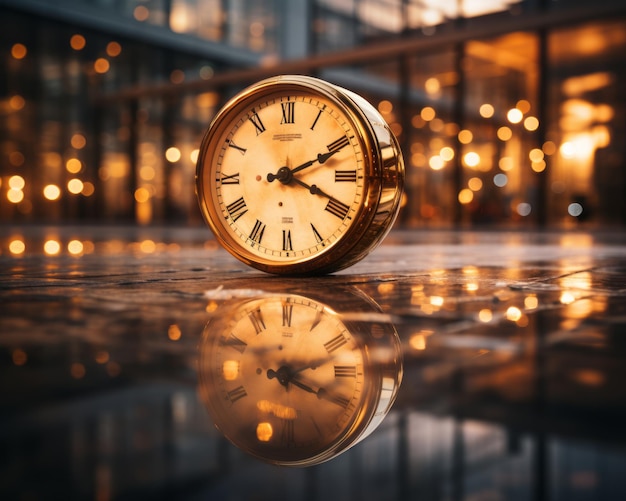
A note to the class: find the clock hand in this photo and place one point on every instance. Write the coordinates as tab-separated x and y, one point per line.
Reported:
321	158
285	174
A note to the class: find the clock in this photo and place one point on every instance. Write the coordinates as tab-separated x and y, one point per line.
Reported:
288	381
299	176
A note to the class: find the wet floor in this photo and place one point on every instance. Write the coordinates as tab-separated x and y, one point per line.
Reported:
483	366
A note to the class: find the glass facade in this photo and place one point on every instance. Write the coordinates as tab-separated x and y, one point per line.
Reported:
104	103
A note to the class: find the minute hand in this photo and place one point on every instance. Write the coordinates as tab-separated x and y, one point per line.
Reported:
321	158
313	189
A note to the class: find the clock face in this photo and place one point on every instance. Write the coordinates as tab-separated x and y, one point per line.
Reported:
284	378
283	175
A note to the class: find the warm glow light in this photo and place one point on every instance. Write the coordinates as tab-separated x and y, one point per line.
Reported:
446	153
88	189
428	113
75	247
475	184
52	247
142	195
17	247
15	196
147	246
141	13
101	65
567	298
172	154
147	173
514	115
436	162
230	370
535	155
75	186
531	123
73	165
539	166
504	133
174	332
523	106
432	86
485	315
51	192
78	141
418	342
486	110
549	148
513	313
193	156
385	107
531	302
19	51
114	49
466	196
506	163
17	102
78	42
264	431
471	159
436	300
17	182
465	136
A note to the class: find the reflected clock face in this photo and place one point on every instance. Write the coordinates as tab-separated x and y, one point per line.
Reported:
287	381
296	175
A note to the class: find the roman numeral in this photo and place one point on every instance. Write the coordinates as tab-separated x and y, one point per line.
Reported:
236	394
345	176
231	144
235	343
256	235
339	143
287	246
336	208
288	112
237	209
230	179
319	114
287	314
345	371
257	320
334	343
318	237
256	121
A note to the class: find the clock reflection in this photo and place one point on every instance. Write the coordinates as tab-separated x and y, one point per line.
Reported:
291	381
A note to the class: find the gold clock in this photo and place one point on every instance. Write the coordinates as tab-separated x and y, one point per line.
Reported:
287	381
299	176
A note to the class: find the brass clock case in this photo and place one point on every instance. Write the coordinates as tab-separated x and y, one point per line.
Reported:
299	176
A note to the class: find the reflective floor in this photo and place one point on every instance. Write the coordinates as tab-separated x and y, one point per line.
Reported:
484	366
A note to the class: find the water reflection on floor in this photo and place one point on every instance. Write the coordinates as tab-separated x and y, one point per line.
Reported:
513	362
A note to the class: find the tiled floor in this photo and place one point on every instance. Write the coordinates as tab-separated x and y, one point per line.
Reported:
513	366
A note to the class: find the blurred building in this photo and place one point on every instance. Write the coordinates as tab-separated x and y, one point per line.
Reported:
509	113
